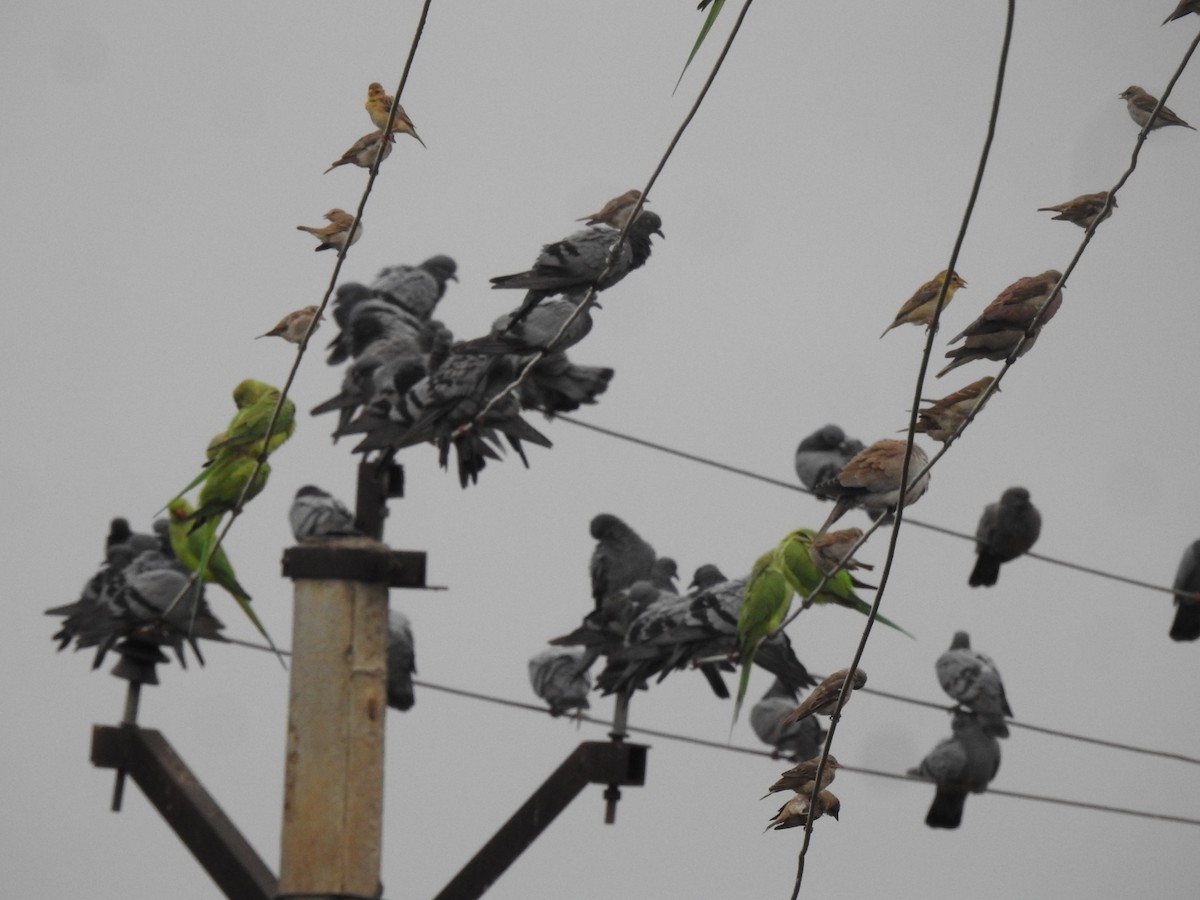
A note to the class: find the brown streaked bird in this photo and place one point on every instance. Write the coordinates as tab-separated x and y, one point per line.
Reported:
379	104
1140	104
871	480
333	235
794	813
1003	323
822	700
800	777
615	212
1184	7
294	325
920	307
942	417
362	153
1082	209
826	550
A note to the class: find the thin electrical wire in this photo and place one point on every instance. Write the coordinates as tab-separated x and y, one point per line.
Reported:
776	482
590	297
302	347
905	482
754	751
886	695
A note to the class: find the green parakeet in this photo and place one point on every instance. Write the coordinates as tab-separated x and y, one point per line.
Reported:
764	606
256	401
191	546
223	486
802	572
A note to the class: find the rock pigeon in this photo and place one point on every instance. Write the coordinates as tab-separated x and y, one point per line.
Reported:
964	763
1186	626
536	331
401	661
1005	531
822	455
416	289
972	680
871	480
619	558
317	513
557	678
577	262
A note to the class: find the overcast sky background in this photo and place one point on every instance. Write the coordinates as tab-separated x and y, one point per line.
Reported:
156	162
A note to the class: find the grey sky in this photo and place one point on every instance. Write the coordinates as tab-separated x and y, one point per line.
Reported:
157	159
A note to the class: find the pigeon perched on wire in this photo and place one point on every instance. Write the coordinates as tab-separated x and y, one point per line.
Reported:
794	740
964	763
578	261
134	603
1186	626
971	679
822	455
619	558
401	661
557	678
317	513
557	385
536	331
416	289
1006	530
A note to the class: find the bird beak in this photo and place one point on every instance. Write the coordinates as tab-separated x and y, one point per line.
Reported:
452	277
658	231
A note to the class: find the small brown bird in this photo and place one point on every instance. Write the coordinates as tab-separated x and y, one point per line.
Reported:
378	106
1003	323
823	698
333	235
615	212
800	777
1184	7
794	813
942	417
1083	209
826	550
920	307
1140	105
871	480
294	325
364	150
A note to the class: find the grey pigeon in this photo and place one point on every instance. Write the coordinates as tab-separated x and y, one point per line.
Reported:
447	399
317	513
577	262
557	678
416	289
973	681
536	330
1186	626
1006	530
796	740
401	661
664	573
822	455
964	763
126	602
603	629
619	558
557	385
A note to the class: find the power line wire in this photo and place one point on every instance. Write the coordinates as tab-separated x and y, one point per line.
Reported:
776	482
754	751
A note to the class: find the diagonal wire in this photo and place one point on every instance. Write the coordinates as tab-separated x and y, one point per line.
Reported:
613	251
303	345
848	682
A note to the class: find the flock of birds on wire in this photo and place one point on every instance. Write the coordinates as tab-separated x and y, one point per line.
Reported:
406	382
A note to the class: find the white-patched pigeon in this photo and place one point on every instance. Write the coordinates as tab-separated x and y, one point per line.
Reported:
557	678
317	513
